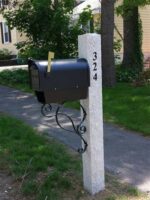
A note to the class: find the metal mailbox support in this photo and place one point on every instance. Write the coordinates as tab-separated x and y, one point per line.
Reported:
68	80
93	158
63	80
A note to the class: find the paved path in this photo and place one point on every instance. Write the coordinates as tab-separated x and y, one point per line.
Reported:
126	154
14	67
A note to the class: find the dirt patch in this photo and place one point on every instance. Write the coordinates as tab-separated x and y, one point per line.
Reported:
9	188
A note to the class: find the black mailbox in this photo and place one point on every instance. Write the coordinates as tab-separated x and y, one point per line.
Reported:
67	80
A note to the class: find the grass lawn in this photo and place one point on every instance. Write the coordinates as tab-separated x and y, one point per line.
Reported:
124	105
45	169
128	106
18	79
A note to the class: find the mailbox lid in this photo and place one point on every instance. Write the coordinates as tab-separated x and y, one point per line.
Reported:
64	74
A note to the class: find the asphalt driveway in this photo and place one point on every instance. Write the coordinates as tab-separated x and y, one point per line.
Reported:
127	154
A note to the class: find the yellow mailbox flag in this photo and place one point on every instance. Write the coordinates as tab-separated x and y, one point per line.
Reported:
50	57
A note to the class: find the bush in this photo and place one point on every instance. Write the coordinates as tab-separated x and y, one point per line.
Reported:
22	61
31	51
5	54
145	75
143	79
17	78
126	74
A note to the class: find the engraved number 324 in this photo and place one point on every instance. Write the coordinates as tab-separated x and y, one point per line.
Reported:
95	65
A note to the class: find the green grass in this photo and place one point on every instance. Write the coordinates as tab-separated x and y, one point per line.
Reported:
124	105
128	106
73	104
18	79
41	166
45	169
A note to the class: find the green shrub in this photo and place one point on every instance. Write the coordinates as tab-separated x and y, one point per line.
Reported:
126	74
145	75
5	54
31	51
143	79
17	78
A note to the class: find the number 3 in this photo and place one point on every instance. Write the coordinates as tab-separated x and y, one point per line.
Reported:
95	56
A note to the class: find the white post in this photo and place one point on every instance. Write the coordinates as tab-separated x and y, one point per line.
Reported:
89	46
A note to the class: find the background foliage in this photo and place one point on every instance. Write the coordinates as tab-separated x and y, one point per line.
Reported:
48	26
5	54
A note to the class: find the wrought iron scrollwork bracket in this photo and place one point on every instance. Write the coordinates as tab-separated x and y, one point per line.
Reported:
79	129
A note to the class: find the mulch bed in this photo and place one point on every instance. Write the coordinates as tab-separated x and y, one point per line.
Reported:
8	62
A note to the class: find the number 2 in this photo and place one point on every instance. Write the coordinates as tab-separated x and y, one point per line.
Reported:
95	66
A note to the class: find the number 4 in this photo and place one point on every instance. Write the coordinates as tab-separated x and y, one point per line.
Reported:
95	77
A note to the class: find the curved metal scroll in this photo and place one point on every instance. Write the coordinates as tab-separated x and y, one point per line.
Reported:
79	129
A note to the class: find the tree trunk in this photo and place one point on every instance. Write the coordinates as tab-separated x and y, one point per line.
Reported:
132	56
107	28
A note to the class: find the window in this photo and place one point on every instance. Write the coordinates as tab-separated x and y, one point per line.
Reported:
5	33
3	3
